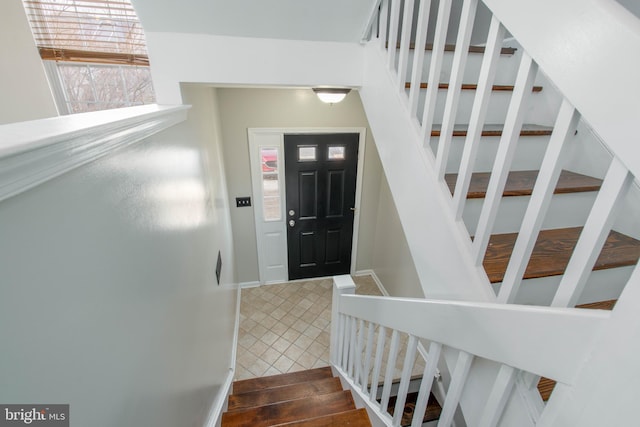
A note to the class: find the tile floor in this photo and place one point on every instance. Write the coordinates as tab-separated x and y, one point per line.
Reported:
286	327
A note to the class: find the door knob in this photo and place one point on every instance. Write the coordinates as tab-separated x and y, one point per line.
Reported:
292	223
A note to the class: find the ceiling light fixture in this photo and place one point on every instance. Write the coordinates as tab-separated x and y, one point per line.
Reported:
331	95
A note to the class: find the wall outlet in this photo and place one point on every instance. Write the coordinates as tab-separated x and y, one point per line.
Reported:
241	202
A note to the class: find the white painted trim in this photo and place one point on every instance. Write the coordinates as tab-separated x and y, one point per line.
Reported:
253	284
37	151
359	182
219	404
214	419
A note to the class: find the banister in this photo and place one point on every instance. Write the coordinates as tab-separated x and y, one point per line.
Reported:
547	341
588	49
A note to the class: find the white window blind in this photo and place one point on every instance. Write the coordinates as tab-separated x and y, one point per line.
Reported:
96	31
94	53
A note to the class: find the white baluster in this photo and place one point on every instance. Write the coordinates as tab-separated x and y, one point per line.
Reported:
358	358
405	379
504	157
540	200
377	366
367	357
595	233
458	379
478	114
437	56
467	18
427	381
352	346
418	56
405	40
393	34
347	340
384	23
391	367
498	397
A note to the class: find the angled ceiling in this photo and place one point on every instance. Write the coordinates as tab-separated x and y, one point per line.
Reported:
317	20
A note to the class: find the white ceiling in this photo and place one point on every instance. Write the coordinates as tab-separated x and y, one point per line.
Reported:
320	20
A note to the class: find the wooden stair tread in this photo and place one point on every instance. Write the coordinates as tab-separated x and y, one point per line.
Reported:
495	88
353	418
496	130
431	414
600	305
283	393
520	183
552	251
253	384
452	48
292	410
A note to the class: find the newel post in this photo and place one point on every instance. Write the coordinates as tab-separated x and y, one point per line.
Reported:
342	285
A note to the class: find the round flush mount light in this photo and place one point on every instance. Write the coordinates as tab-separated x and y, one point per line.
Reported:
331	95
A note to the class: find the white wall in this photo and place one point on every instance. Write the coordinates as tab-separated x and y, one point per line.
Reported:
392	261
24	90
108	297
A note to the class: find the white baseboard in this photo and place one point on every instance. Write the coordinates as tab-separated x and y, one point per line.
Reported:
375	279
220	402
254	284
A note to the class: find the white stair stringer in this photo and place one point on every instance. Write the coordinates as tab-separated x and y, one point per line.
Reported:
438	248
438	245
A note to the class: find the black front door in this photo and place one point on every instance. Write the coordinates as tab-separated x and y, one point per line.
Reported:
320	178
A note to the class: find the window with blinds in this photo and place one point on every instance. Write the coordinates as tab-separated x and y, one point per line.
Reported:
98	50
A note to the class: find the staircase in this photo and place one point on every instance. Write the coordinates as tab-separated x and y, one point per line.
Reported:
310	398
497	150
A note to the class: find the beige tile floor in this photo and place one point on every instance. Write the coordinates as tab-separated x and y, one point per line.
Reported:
286	327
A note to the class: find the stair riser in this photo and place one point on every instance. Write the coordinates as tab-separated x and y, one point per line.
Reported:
566	210
602	285
505	74
496	112
529	153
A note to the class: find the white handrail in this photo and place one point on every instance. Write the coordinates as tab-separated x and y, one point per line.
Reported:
543	340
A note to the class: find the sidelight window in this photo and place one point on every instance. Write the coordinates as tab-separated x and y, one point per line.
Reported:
271	196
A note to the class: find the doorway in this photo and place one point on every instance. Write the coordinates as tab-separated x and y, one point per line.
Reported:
320	177
325	214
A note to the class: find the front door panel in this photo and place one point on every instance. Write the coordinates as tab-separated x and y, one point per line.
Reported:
321	183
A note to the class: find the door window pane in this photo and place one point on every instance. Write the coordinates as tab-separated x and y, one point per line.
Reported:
306	154
335	152
270	184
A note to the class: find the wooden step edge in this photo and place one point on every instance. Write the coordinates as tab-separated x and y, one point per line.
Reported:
283	393
352	418
292	410
521	183
253	384
599	305
495	88
451	48
526	131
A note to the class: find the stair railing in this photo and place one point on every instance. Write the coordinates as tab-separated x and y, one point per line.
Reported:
539	340
400	37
